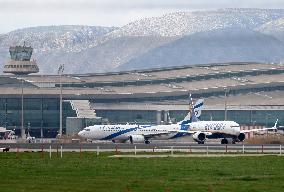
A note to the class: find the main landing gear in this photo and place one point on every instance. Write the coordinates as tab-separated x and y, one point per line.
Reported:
228	141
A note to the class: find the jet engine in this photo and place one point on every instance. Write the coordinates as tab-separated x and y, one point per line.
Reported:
241	137
137	139
199	137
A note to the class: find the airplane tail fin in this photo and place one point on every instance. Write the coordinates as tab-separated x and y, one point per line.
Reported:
198	107
275	125
194	111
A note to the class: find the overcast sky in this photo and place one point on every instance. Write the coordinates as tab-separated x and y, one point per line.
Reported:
16	14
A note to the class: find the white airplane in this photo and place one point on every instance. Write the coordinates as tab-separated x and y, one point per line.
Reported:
7	134
228	131
140	133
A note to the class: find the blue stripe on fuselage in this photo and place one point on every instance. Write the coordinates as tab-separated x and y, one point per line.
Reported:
113	135
192	119
186	122
183	127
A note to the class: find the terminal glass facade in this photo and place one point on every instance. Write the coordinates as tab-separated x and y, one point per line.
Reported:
39	114
243	117
128	116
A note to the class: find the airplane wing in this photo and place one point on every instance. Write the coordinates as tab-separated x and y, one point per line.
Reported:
256	130
150	135
262	129
192	132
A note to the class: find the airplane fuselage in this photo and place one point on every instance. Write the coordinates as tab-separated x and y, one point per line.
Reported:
220	127
123	132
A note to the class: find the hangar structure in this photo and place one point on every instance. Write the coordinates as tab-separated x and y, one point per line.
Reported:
251	93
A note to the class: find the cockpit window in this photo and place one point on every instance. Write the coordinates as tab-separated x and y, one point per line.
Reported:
87	129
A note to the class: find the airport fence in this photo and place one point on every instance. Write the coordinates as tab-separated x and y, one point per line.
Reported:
58	150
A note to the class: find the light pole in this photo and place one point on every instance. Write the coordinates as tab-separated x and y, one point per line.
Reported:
225	105
29	127
23	135
60	71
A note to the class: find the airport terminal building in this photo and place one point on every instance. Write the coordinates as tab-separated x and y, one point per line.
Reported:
251	93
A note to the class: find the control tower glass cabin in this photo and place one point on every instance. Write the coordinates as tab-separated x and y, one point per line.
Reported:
20	62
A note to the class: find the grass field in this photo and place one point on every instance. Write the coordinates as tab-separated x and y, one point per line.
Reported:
87	172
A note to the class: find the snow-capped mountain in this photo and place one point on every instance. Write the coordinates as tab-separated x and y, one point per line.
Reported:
186	23
228	45
181	38
274	28
52	43
49	38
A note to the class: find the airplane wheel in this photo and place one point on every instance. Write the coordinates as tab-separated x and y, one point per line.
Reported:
147	142
202	142
224	141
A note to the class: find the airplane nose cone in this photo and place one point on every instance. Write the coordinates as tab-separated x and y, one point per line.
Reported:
80	133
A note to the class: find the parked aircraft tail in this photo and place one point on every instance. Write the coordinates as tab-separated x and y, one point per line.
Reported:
275	125
196	108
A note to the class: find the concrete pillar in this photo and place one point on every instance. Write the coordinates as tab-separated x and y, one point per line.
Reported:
166	117
159	117
41	132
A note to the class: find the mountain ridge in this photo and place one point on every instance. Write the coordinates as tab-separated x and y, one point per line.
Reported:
186	50
155	42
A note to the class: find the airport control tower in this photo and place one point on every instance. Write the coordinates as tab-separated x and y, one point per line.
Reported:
20	62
